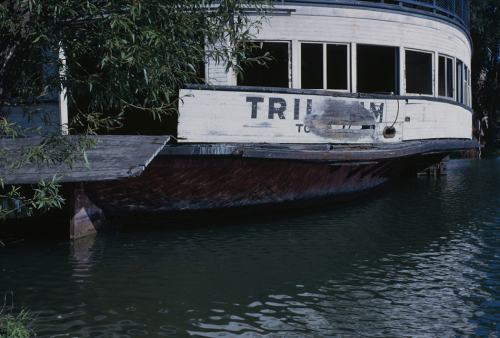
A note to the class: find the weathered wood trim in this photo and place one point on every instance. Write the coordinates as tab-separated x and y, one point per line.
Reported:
401	71
321	152
200	149
328	93
435	73
115	157
63	99
295	64
275	12
354	67
410	148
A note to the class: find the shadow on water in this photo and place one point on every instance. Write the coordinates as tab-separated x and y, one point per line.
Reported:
419	260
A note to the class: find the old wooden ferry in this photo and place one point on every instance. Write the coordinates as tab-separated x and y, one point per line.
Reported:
358	92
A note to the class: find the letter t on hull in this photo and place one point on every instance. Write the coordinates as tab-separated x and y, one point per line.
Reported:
254	101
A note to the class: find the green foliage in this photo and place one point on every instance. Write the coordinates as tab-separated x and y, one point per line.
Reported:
485	32
55	149
44	197
16	326
123	54
115	55
492	151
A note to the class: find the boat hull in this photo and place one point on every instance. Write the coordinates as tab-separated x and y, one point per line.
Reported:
189	186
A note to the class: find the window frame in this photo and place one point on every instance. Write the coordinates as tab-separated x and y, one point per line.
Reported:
325	65
467	86
453	78
433	72
290	74
460	95
397	67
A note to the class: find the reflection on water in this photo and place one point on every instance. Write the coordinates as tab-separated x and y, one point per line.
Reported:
422	260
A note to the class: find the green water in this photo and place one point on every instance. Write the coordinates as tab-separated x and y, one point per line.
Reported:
419	260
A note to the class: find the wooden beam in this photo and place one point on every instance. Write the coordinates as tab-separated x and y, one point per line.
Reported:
295	64
85	217
354	66
114	157
359	155
322	152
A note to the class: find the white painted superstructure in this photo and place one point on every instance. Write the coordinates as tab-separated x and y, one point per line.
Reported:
427	87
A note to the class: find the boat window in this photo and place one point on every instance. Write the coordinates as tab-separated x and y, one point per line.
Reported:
324	66
201	70
275	73
460	82
34	74
337	67
311	68
467	86
441	76
445	76
377	69
449	77
418	72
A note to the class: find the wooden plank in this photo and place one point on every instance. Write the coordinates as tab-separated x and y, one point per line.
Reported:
321	152
114	157
199	149
345	155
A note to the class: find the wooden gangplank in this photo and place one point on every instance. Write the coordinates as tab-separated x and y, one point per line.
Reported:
114	157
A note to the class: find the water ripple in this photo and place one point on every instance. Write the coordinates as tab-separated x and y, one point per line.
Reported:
423	260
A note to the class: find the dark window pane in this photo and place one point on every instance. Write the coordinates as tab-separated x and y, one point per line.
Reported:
377	69
276	73
336	67
460	82
442	76
418	72
311	70
449	77
201	69
466	87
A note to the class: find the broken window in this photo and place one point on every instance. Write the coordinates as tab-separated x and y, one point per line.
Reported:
276	72
377	69
418	72
445	76
460	82
324	66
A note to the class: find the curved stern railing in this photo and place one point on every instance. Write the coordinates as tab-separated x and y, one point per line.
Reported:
456	10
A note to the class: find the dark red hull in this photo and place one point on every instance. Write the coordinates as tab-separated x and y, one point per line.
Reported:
180	186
